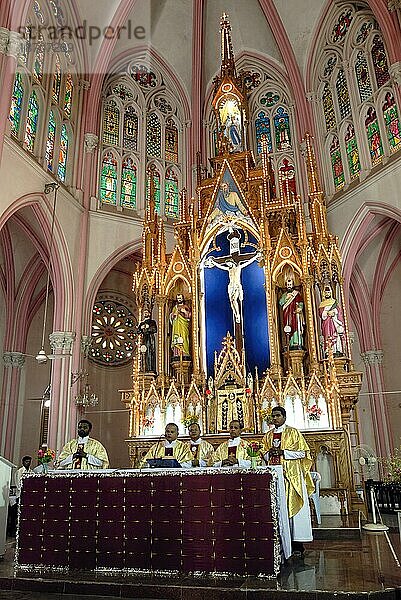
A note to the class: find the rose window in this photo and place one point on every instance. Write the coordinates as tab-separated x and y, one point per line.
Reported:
113	333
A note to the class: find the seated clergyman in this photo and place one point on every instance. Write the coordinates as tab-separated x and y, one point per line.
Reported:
201	449
83	452
170	447
233	452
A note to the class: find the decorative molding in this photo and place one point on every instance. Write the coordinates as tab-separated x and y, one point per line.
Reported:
312	97
372	357
14	360
62	340
4	39
15	45
91	142
395	72
86	343
393	5
84	84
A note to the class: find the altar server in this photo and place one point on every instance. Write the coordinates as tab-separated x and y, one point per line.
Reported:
201	449
286	447
233	452
83	452
170	447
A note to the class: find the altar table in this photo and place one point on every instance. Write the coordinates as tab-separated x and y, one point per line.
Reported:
205	521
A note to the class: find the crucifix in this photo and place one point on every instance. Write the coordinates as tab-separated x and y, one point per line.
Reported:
233	264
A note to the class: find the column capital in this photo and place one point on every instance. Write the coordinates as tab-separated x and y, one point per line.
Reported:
62	340
84	84
395	72
372	357
15	44
86	343
4	38
91	142
13	359
394	5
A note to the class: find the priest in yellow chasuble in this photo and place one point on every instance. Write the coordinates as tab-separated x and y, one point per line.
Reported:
170	447
233	452
83	452
286	447
201	449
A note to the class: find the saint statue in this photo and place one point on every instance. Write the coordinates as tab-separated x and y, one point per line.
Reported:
147	329
180	318
332	321
292	306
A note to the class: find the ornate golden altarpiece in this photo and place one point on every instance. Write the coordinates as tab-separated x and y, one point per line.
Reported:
248	310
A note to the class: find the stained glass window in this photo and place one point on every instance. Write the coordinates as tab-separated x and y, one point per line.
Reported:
113	333
373	133
171	193
16	104
328	108
341	27
362	77
56	81
391	119
153	136
38	12
128	184
69	89
51	134
26	43
111	124
262	127
156	187
31	121
282	129
130	132
108	180
342	95
63	154
351	146
39	58
380	61
171	141
337	164
288	187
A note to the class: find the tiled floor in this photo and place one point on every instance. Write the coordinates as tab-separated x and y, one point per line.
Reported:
352	568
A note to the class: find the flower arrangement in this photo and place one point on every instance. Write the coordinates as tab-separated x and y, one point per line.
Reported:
190	420
314	412
266	415
45	455
253	449
392	467
148	422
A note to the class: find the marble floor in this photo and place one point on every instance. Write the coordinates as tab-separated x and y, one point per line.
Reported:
364	567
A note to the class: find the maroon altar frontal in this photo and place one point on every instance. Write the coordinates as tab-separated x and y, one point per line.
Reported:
204	521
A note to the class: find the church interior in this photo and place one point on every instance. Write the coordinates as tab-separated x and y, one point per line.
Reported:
200	219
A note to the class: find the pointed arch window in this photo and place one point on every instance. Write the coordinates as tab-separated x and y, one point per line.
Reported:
171	193
16	104
128	183
108	180
342	95
262	127
39	58
156	186
337	164
51	136
362	77
282	129
390	114
171	141
68	93
63	153
352	151
31	121
153	136
56	81
111	124
373	135
328	108
379	59
130	134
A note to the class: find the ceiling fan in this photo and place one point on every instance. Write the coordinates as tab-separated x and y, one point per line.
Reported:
42	357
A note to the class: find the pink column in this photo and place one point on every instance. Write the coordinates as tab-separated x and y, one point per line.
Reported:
373	360
195	139
13	363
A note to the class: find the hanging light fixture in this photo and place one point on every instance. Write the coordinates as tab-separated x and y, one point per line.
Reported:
87	397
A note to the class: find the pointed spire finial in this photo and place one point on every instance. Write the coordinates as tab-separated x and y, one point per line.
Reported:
227	54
